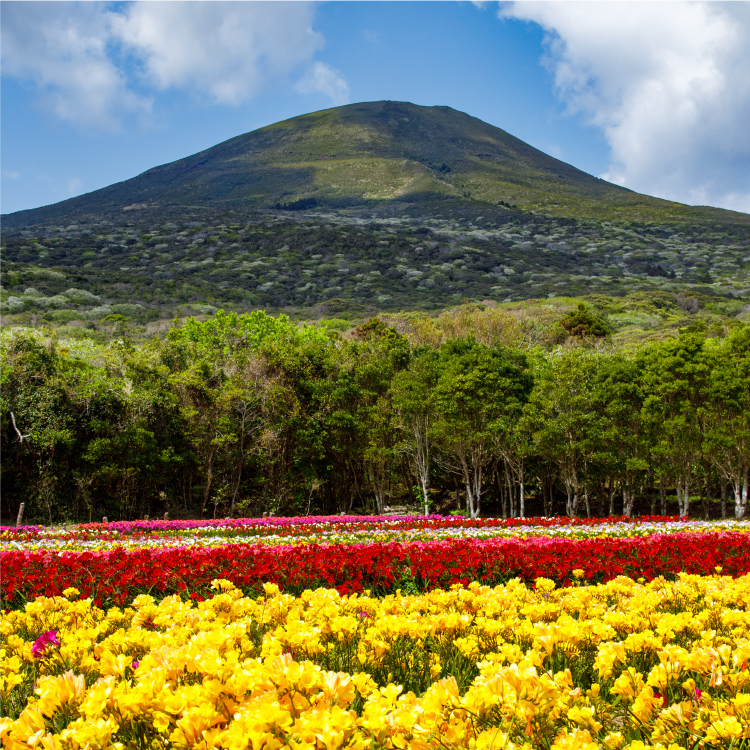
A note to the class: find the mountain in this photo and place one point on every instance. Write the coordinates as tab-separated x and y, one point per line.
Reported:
366	208
372	155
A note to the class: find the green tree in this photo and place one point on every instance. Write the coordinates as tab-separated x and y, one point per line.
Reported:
478	390
675	376
562	416
728	414
584	324
623	439
413	392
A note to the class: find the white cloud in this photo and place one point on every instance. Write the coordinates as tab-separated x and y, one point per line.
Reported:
227	51
323	79
14	174
74	186
62	48
737	202
95	63
667	83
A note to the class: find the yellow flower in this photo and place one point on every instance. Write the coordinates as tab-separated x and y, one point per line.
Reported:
285	672
222	584
728	728
629	685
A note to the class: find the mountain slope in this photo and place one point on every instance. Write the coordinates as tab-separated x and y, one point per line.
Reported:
372	154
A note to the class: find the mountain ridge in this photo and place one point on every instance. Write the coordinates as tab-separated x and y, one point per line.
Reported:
371	155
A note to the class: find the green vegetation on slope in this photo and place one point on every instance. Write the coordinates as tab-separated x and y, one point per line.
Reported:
149	268
371	155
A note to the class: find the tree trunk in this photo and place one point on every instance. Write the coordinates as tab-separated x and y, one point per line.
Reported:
611	495
236	491
502	492
707	491
723	484
477	475
511	494
628	500
548	481
683	496
601	487
425	482
586	498
652	492
571	488
207	488
473	483
740	504
663	496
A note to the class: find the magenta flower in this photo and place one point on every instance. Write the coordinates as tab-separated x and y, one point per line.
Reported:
135	664
44	643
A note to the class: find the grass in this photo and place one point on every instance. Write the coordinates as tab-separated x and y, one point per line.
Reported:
371	154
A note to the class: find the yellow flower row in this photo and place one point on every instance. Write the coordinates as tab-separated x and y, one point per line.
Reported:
619	665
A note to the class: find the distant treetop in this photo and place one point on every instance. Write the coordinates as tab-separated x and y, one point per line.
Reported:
583	323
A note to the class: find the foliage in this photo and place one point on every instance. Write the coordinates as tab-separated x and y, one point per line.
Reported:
584	324
378	155
133	274
245	414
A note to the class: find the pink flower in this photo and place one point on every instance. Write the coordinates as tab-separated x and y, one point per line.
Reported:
45	642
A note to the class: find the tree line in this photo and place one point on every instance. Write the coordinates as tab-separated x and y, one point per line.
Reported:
250	414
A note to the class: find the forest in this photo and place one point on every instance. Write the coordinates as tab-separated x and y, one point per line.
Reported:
474	412
142	269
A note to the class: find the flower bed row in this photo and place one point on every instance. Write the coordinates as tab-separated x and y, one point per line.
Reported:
617	666
118	575
292	525
344	530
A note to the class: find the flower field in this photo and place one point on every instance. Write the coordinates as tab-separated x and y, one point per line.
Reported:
341	530
377	633
115	562
622	664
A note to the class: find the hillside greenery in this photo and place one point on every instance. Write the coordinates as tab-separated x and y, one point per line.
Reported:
375	155
478	410
145	270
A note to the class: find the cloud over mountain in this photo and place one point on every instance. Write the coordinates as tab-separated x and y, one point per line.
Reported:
326	80
668	85
94	64
64	49
227	51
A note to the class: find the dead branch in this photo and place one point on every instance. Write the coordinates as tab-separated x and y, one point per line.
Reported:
18	432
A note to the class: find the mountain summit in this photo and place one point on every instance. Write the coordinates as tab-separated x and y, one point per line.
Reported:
369	154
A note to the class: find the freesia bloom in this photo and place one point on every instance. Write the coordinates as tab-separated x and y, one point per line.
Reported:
253	670
45	643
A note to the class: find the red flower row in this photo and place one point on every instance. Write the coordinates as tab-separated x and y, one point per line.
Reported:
119	575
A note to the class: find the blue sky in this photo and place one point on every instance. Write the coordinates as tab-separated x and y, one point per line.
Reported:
652	96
